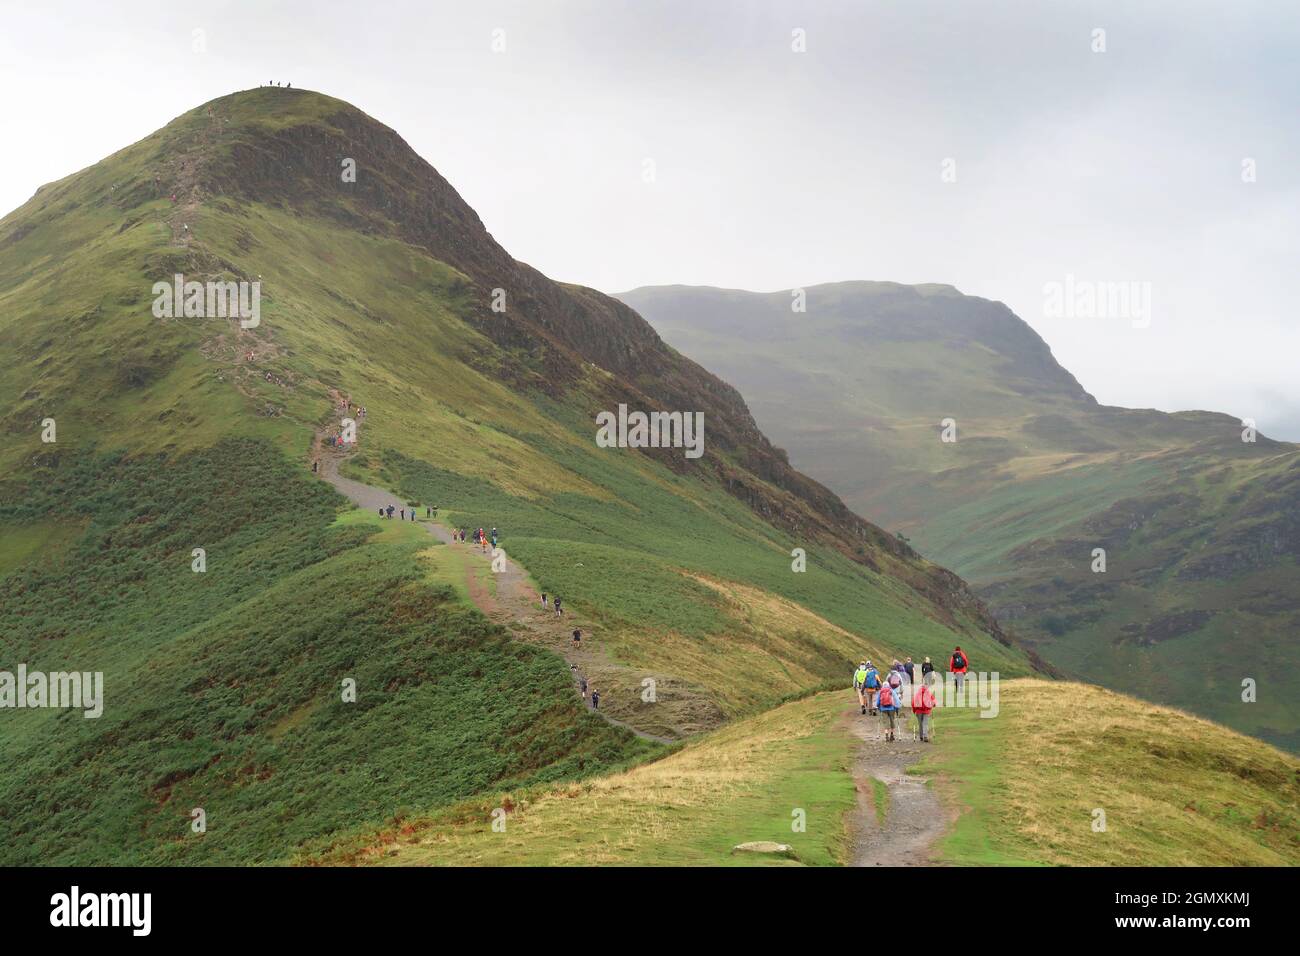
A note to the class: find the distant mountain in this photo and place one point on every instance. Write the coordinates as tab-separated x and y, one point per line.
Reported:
1201	530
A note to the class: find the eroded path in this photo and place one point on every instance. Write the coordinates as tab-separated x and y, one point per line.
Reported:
914	816
515	603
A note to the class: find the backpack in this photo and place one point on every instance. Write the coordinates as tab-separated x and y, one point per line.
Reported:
873	679
886	696
923	699
959	660
895	680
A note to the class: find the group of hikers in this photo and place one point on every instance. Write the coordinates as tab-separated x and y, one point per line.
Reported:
484	539
558	606
885	695
589	694
403	512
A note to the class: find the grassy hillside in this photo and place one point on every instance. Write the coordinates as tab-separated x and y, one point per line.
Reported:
1175	790
222	688
737	785
1201	530
1021	789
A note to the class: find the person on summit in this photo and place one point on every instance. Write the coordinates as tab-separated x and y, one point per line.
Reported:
860	684
958	665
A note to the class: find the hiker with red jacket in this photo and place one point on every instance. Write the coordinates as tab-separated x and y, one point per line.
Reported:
958	664
922	704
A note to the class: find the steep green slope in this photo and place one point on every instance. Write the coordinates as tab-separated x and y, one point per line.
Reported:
223	687
1201	530
223	690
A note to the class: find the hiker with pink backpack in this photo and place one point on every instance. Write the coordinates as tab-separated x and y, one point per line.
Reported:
889	702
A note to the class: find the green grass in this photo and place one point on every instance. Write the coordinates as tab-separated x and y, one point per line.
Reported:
223	689
880	796
740	784
1175	790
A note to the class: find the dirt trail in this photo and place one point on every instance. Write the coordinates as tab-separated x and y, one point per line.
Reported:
914	816
515	605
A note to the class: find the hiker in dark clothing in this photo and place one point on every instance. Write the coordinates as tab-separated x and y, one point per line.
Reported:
401	515
390	511
427	511
543	599
595	699
314	465
559	611
908	666
577	638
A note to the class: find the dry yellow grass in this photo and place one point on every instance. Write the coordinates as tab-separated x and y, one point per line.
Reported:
737	784
1175	790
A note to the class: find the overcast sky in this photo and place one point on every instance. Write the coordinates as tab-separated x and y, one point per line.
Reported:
774	168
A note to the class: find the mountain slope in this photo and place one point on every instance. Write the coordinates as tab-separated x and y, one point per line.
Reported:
1201	530
223	687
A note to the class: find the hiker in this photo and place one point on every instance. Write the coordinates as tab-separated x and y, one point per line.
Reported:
895	682
381	512
595	699
888	705
958	665
582	685
427	511
872	684
860	684
401	515
559	611
922	704
577	639
390	511
926	668
494	537
909	669
314	465
543	599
